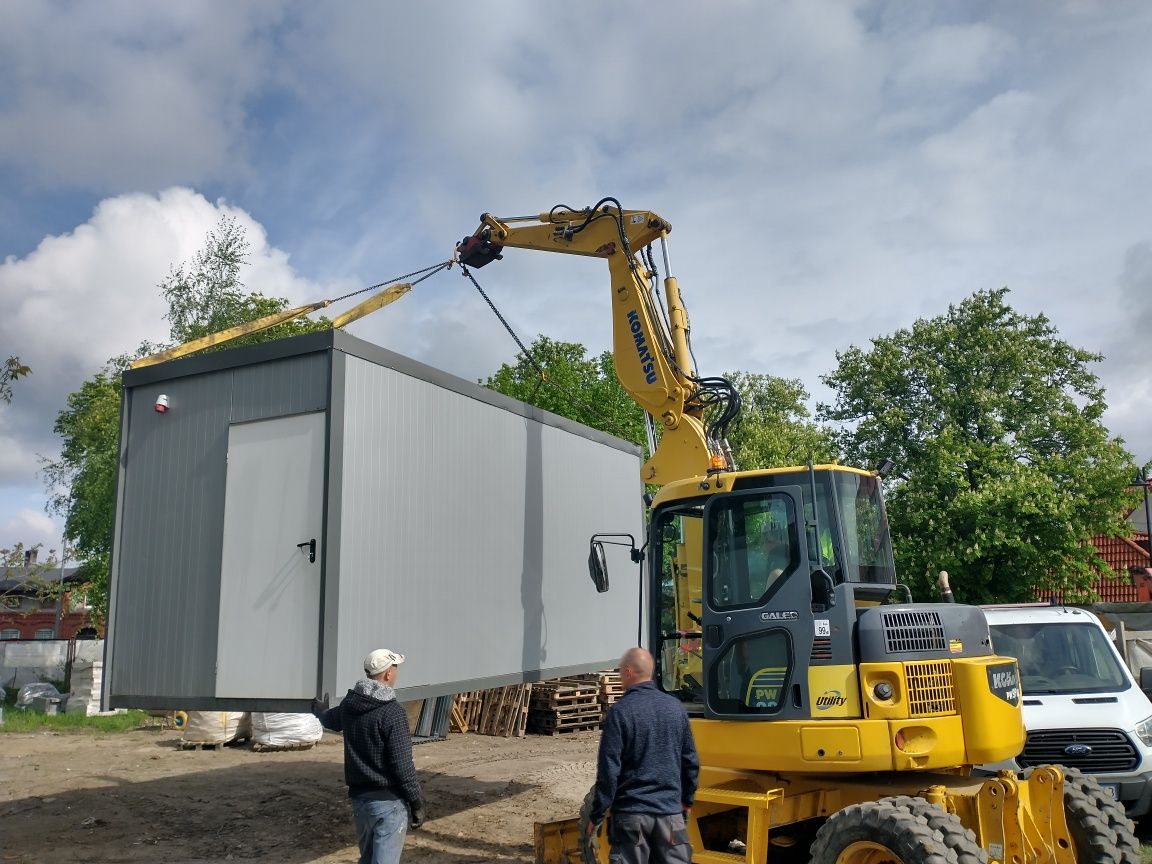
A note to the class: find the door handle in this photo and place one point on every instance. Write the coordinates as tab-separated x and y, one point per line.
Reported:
713	636
311	544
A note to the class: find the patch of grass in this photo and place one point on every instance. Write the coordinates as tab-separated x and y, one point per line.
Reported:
16	720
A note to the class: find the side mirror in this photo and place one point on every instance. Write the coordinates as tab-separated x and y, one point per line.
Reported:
598	567
1146	679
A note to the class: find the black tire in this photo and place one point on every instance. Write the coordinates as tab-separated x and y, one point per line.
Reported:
589	843
877	832
955	837
1101	832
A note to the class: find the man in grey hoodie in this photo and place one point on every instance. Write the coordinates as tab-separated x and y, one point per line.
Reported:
378	769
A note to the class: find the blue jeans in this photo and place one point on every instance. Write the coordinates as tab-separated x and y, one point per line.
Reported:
380	829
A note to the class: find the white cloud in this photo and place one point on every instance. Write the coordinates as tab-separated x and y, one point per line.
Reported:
1127	363
28	527
82	297
948	59
124	95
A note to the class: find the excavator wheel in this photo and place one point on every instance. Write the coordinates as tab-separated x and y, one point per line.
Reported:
878	832
590	842
956	838
1100	830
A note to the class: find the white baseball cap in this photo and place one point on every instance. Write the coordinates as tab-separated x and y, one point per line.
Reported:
381	659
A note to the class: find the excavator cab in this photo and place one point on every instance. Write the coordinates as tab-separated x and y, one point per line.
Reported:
759	586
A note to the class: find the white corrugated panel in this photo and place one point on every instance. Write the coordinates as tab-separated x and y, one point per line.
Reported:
463	538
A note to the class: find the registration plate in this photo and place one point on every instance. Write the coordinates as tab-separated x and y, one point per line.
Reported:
1113	789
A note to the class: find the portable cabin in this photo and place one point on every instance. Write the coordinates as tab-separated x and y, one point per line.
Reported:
284	508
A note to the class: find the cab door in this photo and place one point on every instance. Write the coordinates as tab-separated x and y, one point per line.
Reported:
757	605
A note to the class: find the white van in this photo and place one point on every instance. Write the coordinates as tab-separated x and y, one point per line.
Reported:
1081	706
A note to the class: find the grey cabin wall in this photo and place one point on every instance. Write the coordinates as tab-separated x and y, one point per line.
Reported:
166	555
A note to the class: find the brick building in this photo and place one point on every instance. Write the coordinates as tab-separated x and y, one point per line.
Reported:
32	606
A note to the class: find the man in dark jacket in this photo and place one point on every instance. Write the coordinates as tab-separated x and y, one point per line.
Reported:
646	770
378	769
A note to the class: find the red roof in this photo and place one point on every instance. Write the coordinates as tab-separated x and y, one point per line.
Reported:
1122	554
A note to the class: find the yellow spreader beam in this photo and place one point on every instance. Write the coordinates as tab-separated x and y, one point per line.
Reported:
378	301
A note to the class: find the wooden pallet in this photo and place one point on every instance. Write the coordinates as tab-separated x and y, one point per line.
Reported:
608	686
202	745
466	709
564	693
505	711
276	748
565	705
548	723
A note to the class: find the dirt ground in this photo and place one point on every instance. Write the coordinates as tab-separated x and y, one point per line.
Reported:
135	797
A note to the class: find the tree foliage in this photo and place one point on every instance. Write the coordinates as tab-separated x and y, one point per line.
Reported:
82	480
1004	469
11	370
40	579
204	295
775	427
573	385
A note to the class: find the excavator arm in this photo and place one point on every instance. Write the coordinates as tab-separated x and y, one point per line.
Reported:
651	352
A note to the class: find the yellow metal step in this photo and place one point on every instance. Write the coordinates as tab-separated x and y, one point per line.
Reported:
717	858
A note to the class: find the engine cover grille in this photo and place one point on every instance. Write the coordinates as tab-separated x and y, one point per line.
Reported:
908	631
930	688
1093	751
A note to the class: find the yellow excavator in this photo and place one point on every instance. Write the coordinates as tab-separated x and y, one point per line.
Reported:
837	721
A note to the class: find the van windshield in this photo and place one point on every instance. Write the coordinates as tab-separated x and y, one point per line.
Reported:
1061	657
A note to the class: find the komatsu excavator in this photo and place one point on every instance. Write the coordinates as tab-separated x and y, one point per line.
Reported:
836	720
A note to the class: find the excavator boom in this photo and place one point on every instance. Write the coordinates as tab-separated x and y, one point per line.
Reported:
651	348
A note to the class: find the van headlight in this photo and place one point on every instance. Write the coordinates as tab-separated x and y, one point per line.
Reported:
1144	730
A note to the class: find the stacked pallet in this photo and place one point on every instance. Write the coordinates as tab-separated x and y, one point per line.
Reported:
564	705
608	688
505	711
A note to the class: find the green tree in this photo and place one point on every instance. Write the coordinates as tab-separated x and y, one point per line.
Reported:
40	579
10	370
560	377
204	296
1004	469
82	480
775	427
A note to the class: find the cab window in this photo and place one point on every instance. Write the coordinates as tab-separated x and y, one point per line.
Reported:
755	548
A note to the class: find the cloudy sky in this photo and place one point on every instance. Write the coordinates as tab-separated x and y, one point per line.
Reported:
832	171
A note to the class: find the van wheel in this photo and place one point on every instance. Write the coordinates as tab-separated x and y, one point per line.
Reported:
877	832
1100	830
955	836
